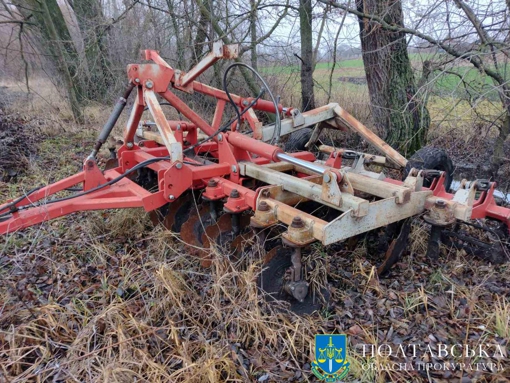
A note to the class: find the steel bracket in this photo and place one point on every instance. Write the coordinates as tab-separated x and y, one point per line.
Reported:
359	168
414	180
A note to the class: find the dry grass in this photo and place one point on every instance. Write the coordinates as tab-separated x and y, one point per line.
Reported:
112	300
103	296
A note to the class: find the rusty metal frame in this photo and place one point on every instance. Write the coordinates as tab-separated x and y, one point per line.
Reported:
239	157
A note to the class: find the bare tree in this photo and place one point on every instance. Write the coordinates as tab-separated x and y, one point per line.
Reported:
397	111
476	34
307	55
53	33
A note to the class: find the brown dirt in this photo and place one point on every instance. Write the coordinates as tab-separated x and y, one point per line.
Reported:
17	145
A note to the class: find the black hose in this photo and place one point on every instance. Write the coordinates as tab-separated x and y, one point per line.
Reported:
19	199
99	187
12	205
278	126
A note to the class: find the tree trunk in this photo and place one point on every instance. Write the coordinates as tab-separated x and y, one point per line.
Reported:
254	88
200	37
90	16
307	64
398	113
253	33
55	37
498	157
177	31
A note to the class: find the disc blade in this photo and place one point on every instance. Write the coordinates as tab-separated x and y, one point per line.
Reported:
191	230
395	249
178	212
273	278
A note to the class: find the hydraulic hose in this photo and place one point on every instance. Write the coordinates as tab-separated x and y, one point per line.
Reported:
278	126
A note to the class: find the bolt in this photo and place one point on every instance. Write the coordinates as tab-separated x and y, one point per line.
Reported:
178	165
171	197
266	193
149	84
234	169
441	204
245	102
345	185
327	178
263	206
90	163
212	183
234	194
297	223
178	126
220	137
137	80
129	145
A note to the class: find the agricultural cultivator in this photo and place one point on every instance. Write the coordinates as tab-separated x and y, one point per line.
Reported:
229	183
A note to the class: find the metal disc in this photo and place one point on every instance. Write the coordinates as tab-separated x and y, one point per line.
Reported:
213	232
272	278
243	244
178	212
191	230
395	249
222	235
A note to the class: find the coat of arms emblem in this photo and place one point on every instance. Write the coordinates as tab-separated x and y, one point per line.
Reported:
330	363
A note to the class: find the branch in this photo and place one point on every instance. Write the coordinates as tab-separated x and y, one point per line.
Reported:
473	59
21	22
480	30
319	37
270	32
223	36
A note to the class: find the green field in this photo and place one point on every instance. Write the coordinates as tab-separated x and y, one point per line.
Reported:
455	82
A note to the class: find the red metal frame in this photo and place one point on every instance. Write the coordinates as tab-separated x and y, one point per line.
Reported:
175	177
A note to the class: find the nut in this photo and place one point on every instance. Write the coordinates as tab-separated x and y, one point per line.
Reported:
129	145
234	194
178	165
212	183
297	223
149	84
441	204
263	206
171	197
